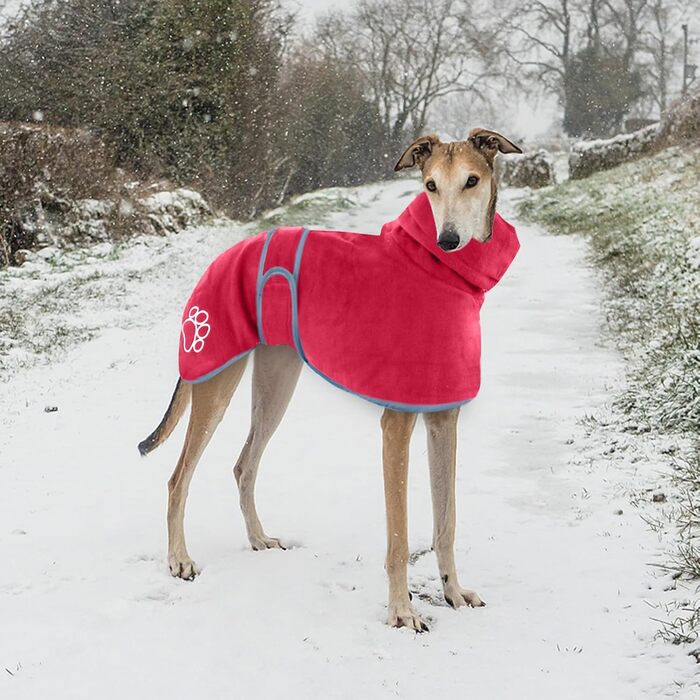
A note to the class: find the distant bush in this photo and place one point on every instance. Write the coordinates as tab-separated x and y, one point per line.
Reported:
599	88
682	120
329	132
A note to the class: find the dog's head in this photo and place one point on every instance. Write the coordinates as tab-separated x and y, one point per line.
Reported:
459	180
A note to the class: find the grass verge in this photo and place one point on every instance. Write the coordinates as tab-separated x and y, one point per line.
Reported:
642	220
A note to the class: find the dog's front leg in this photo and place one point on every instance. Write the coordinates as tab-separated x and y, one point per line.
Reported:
396	431
442	455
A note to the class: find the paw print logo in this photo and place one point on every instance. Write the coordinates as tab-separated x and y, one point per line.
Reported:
195	329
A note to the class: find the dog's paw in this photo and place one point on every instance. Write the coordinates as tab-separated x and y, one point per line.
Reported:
457	597
405	615
265	542
183	567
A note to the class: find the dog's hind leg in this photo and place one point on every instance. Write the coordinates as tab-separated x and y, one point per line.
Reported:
397	428
275	373
442	456
209	402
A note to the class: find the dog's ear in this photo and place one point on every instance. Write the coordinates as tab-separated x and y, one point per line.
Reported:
418	152
490	142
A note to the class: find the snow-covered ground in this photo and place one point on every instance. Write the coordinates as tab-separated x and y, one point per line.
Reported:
10	8
546	532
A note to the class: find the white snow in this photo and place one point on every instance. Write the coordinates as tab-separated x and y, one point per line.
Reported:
10	8
88	609
694	252
95	208
171	210
178	198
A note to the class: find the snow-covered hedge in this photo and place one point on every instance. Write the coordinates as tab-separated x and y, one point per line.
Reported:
59	188
588	157
534	169
62	223
173	210
42	170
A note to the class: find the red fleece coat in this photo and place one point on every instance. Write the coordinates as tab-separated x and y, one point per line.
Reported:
391	318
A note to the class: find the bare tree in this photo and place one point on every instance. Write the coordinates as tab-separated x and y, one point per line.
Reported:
549	32
632	45
626	18
660	43
545	33
411	54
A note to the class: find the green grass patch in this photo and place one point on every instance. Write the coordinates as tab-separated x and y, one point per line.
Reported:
642	220
311	209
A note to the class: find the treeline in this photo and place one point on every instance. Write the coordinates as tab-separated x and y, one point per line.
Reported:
605	59
226	96
210	93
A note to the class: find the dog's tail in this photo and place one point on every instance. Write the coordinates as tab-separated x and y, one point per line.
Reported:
178	404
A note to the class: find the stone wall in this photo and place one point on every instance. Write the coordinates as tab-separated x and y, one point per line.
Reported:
588	157
532	169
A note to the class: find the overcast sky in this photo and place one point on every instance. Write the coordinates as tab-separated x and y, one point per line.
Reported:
307	9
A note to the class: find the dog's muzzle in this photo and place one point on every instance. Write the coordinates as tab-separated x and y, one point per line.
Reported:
448	239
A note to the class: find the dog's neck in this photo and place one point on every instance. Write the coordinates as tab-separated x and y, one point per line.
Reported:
480	265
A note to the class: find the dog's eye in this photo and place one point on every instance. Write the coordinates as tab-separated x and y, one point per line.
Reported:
471	181
431	186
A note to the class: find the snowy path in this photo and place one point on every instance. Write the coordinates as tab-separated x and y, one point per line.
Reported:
88	610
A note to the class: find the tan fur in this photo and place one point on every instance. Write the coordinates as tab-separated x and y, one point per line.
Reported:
442	458
397	428
178	404
275	373
209	402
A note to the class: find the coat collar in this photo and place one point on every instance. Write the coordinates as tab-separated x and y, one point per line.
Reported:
481	265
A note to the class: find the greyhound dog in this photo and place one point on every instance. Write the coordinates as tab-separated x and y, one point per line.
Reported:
459	181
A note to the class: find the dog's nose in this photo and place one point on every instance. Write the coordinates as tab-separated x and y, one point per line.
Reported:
448	238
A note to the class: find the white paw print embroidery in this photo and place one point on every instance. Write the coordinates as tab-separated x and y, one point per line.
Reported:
195	329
